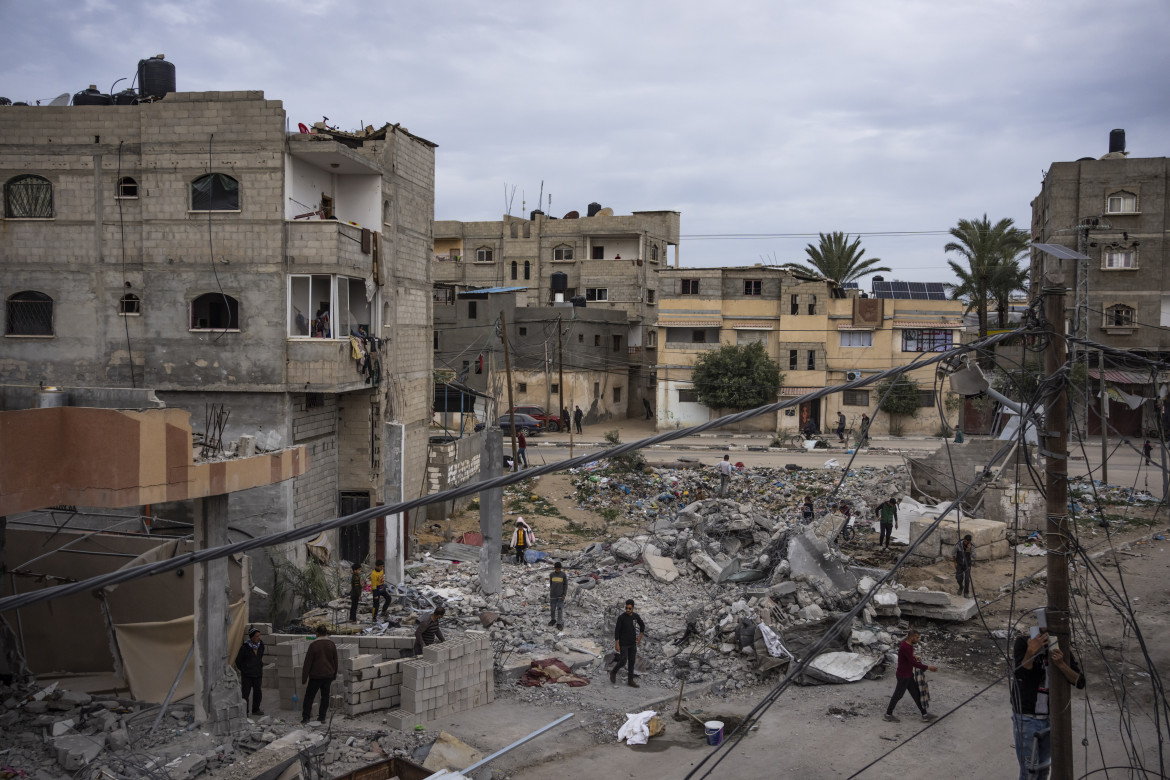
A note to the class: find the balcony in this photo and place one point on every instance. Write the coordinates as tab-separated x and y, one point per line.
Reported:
322	366
326	246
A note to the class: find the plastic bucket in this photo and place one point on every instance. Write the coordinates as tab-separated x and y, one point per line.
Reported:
714	730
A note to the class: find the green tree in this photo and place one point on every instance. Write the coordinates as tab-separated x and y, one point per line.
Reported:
837	258
899	398
736	377
993	272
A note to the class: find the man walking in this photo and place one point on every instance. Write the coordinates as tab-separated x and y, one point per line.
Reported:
887	513
964	558
355	590
1034	662
558	586
1147	448
578	416
864	428
725	469
428	631
840	426
318	671
649	411
250	662
565	420
522	449
907	663
627	635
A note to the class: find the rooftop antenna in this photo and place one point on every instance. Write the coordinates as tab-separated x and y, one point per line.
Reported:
540	198
509	198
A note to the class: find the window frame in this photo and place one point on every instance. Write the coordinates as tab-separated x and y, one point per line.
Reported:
794	304
597	252
16	181
617	395
794	360
811	363
485	254
191	195
342	290
688	287
650	297
1121	195
855	398
37	299
515	270
527	269
562	253
753	287
121	186
854	335
1108	254
215	295
926	398
933	336
123	308
597	294
687	395
1110	315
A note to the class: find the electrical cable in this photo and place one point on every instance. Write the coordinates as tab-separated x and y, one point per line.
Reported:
313	529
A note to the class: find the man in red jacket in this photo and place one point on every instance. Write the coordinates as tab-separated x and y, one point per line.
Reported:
907	663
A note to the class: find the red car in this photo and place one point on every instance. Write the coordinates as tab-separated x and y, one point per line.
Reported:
552	422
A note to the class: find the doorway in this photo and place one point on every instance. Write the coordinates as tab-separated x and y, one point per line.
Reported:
353	541
811	410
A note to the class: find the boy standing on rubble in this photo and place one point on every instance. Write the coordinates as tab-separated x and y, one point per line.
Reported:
887	513
558	586
807	513
627	635
724	475
378	587
355	590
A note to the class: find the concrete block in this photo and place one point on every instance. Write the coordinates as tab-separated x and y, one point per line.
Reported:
75	751
956	608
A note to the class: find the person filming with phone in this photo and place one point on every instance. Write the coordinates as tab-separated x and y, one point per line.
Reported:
1035	659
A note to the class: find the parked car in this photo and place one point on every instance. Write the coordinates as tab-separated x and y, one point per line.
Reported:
552	422
529	426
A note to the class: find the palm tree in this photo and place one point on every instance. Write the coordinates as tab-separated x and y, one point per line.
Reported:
992	271
838	259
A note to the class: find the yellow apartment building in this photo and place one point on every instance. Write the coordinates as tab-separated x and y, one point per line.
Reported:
820	334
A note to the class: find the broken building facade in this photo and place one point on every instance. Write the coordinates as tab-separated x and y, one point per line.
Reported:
611	261
192	247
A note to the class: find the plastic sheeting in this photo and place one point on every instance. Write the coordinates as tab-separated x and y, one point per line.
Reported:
152	653
636	729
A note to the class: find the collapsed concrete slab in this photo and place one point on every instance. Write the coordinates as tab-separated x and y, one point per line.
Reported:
936	605
988	536
809	557
839	668
717	571
660	568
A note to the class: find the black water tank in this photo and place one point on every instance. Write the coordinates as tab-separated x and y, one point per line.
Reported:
532	215
1116	140
156	77
878	279
559	281
126	97
92	97
578	300
5	101
593	209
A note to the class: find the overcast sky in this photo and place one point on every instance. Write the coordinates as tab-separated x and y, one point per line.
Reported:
776	118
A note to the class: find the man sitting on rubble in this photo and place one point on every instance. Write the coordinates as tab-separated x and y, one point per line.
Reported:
428	632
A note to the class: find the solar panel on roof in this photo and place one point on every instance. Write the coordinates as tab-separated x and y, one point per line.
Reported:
850	286
935	287
899	287
919	296
937	296
917	287
1062	252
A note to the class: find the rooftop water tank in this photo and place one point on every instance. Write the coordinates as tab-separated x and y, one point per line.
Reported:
1116	140
126	97
559	281
156	77
91	97
593	209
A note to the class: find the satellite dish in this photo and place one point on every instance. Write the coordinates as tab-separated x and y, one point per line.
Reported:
605	212
969	381
572	215
60	100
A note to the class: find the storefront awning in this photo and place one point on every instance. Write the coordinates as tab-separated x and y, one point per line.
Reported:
928	324
793	391
714	323
749	325
1119	377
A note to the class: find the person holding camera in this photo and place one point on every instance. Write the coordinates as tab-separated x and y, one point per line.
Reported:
1035	659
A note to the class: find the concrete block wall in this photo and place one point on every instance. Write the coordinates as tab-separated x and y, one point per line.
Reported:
355	416
988	536
452	676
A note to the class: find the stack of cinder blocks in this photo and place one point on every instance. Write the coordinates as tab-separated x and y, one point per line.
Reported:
450	677
370	684
288	652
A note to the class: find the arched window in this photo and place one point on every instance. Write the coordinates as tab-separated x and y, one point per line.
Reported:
527	270
515	230
29	313
215	192
215	311
1119	316
28	197
514	269
483	255
127	187
1121	203
130	305
564	252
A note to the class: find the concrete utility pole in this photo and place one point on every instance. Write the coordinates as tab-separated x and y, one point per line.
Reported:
491	513
1103	413
1056	536
511	406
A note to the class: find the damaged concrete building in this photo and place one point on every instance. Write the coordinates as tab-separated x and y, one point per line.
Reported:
189	252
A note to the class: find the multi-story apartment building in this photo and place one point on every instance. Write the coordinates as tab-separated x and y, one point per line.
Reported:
609	261
591	353
192	247
1115	210
820	335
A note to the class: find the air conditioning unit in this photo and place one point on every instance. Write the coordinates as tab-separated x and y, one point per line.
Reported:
852	375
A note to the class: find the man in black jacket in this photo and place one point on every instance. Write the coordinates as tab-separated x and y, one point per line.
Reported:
626	639
250	662
1035	661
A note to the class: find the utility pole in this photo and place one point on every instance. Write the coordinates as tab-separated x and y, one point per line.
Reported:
547	381
1103	413
1055	452
511	406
